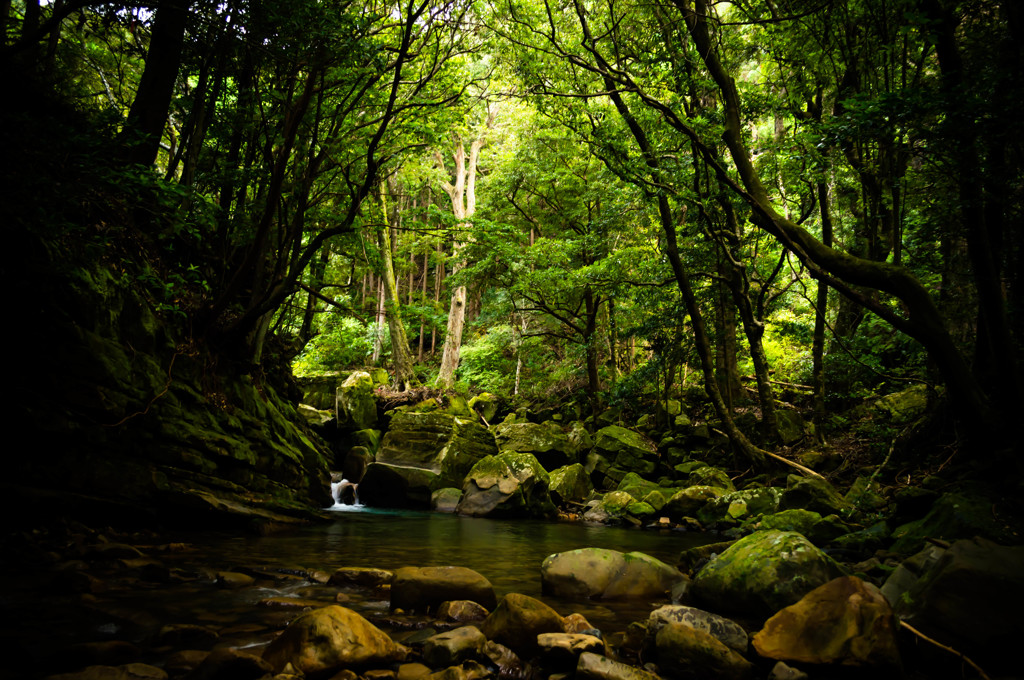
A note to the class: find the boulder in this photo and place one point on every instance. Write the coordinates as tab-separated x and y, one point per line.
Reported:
353	467
329	639
845	621
710	476
453	646
599	667
737	506
418	588
580	439
561	651
764	572
815	494
461	611
863	495
688	502
445	500
601	573
690	653
903	407
726	631
395	486
570	484
357	406
444	444
791	426
952	516
511	484
627	451
486	405
518	620
367	577
967	596
230	663
817	529
550	447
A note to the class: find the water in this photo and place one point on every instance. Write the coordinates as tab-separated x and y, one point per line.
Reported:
507	552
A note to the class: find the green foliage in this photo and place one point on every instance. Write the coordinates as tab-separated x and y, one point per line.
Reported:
344	342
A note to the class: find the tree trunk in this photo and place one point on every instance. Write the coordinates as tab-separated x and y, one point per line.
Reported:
820	315
401	361
148	114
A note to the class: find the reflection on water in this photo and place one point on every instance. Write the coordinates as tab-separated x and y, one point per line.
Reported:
509	553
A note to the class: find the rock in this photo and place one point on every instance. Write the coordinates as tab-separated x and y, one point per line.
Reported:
689	653
230	580
357	406
329	639
353	467
552	449
486	405
967	597
453	646
791	426
570	483
445	500
368	577
461	611
131	671
561	651
111	551
418	588
688	502
510	484
394	486
636	486
577	623
518	620
612	505
369	439
763	572
692	559
413	671
812	493
233	664
187	635
598	667
865	541
863	495
439	442
606	574
504	659
628	451
951	517
782	671
728	632
580	439
737	506
903	407
710	476
315	417
845	621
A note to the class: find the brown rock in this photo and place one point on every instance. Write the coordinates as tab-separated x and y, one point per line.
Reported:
232	579
461	611
562	650
598	667
576	623
231	663
329	639
360	576
692	654
453	646
844	621
417	588
518	620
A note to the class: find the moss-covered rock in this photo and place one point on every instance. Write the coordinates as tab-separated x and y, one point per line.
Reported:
738	506
600	573
951	517
510	484
551	448
628	451
764	572
689	501
815	494
357	405
710	476
486	405
903	407
570	483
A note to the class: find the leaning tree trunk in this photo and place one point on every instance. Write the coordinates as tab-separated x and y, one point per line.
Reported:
401	360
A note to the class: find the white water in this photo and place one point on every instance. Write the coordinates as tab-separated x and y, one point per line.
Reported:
336	490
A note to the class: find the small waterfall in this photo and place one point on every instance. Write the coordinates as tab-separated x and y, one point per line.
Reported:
338	492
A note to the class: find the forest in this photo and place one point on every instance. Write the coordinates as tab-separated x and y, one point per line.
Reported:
782	239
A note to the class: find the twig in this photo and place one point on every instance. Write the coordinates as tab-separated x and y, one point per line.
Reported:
938	644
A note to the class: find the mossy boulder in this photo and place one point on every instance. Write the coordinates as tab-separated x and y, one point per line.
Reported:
689	501
439	442
710	476
357	405
518	620
815	494
863	495
738	506
951	517
510	484
791	426
600	573
551	448
638	487
764	572
817	529
903	407
570	484
628	451
398	486
486	405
